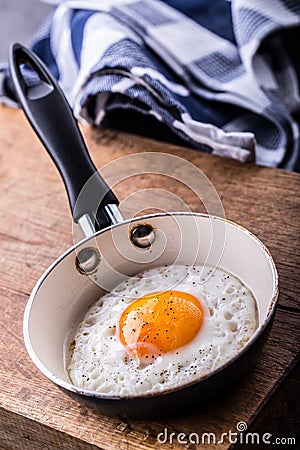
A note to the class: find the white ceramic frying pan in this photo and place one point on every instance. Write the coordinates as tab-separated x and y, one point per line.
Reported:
115	249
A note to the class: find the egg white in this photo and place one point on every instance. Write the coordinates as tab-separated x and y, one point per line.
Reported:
98	361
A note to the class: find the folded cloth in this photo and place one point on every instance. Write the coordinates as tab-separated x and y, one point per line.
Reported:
217	76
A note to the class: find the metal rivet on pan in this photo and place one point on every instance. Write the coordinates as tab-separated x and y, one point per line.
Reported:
87	260
142	236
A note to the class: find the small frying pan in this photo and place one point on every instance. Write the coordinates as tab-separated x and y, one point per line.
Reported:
115	249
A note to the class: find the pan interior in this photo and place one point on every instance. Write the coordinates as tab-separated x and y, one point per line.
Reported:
63	295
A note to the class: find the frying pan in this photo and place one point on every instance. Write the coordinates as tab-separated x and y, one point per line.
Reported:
114	249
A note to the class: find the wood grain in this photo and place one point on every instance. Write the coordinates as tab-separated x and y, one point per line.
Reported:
36	228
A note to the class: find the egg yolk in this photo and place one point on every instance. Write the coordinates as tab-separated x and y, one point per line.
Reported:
158	323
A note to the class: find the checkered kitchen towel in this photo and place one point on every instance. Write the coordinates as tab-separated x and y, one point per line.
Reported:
218	76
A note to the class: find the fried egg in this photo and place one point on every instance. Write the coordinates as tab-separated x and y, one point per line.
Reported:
162	328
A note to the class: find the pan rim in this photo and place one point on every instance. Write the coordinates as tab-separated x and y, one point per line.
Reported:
102	396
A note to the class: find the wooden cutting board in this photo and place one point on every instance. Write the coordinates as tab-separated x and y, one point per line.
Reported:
36	228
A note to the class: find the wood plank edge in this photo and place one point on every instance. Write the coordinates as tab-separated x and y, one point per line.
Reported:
279	414
18	432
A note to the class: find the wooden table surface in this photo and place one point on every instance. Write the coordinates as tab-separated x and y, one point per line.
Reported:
36	228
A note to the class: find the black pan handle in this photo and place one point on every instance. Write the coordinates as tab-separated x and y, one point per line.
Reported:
51	117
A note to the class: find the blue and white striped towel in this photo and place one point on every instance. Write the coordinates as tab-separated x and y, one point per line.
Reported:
217	76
